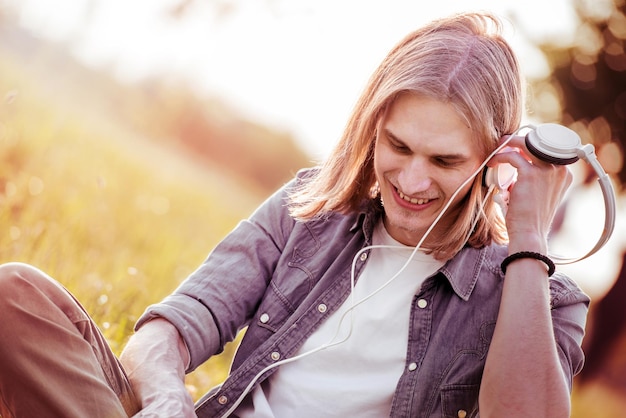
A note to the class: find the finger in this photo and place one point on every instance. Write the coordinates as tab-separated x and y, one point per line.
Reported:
513	142
519	143
511	156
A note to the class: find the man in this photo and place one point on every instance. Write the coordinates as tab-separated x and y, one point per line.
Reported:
379	284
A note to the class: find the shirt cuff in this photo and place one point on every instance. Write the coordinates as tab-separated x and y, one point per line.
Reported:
193	321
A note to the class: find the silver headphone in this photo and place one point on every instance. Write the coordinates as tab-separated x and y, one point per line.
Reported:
557	144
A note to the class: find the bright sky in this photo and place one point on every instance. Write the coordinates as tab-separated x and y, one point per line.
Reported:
297	65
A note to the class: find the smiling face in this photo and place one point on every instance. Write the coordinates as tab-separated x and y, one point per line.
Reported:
424	152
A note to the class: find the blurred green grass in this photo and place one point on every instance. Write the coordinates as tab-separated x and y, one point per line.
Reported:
118	220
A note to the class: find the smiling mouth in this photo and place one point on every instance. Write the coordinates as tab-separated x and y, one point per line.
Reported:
413	200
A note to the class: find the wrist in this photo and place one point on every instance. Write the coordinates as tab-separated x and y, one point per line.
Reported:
528	255
527	242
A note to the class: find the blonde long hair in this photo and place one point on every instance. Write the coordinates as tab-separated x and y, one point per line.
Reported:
462	60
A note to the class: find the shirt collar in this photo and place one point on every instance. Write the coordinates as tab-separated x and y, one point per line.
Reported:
462	271
366	219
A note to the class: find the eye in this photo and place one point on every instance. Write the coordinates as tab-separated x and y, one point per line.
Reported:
446	162
399	147
442	162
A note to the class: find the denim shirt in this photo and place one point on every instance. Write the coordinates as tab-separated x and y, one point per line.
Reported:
281	279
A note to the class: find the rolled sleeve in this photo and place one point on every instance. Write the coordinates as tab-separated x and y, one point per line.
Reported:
194	322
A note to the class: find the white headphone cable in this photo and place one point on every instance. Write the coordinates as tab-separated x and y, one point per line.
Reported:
353	303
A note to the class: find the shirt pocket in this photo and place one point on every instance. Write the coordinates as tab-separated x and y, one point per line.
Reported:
459	401
274	310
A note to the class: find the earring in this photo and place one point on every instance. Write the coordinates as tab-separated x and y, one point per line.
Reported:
375	191
375	194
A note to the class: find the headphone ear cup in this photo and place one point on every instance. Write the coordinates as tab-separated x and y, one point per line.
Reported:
554	143
487	177
500	176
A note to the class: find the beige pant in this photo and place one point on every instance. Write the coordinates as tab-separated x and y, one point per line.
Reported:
54	362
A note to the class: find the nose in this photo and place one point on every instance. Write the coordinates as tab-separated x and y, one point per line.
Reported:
414	178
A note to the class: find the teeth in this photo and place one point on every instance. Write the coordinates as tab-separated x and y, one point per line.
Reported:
412	199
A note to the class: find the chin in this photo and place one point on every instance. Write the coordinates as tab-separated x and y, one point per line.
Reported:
404	229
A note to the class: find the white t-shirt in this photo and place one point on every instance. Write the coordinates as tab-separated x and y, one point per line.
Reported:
357	377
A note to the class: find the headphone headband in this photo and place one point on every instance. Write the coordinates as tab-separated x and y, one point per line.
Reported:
557	144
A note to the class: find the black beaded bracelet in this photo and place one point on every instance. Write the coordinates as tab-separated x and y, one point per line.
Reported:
528	254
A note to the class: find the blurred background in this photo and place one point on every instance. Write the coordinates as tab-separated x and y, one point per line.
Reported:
135	135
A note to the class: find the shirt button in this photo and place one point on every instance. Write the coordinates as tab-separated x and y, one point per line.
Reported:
222	400
275	355
264	318
322	307
462	413
422	303
363	256
412	367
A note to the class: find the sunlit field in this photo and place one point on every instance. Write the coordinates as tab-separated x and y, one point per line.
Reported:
117	220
